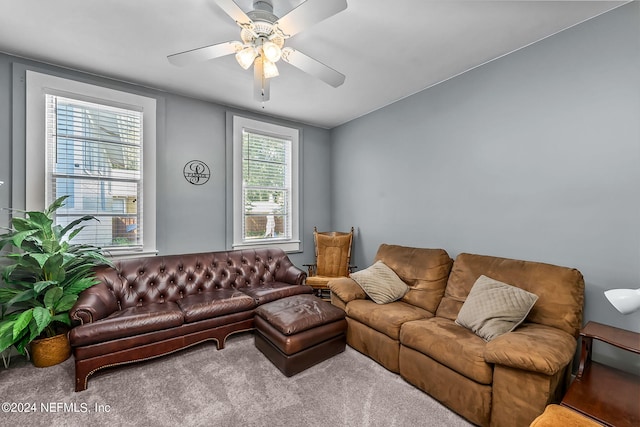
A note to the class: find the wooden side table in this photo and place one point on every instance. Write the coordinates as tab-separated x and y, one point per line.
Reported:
605	394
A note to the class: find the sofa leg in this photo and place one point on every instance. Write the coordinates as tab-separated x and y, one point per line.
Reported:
81	384
82	376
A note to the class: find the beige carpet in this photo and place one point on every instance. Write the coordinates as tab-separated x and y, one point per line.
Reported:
236	386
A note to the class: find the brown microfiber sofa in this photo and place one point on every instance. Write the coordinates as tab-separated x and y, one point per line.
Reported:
507	381
150	306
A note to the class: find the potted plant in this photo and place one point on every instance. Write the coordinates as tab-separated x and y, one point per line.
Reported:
42	282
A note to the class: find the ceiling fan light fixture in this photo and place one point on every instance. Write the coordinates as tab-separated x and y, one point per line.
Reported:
271	51
246	56
270	69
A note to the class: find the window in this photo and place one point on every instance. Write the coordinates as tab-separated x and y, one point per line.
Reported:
93	154
265	185
96	146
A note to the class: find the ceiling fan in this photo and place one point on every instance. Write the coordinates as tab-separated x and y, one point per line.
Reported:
263	35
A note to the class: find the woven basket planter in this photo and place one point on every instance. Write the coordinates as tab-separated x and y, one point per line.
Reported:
50	351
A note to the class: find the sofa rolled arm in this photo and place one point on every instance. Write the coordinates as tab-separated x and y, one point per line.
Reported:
289	273
532	347
346	289
93	304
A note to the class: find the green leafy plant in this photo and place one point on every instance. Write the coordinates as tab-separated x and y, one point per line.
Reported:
44	277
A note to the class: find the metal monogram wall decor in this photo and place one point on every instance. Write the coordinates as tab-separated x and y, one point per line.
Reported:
196	172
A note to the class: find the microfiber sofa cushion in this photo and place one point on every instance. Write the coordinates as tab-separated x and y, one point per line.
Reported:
385	318
424	270
560	290
445	342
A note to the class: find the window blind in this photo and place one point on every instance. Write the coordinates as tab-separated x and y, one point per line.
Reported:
94	155
266	173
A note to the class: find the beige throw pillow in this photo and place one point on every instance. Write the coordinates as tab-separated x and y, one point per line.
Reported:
494	308
381	283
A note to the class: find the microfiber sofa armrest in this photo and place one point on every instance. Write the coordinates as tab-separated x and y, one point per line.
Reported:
346	289
532	347
93	304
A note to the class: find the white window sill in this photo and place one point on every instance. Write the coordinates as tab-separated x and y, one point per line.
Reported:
287	246
125	254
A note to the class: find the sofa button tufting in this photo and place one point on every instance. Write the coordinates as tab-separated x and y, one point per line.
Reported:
183	282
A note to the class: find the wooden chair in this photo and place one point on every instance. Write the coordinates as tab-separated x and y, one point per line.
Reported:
333	255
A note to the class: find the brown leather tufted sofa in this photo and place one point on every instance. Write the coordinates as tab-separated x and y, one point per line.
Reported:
151	306
507	381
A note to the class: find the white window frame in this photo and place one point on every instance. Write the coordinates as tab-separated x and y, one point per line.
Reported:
240	123
38	85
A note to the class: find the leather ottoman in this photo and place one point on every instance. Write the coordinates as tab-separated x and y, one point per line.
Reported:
298	332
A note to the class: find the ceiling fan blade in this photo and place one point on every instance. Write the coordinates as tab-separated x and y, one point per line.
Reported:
313	67
309	13
232	9
202	54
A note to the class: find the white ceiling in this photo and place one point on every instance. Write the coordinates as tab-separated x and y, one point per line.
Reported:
387	49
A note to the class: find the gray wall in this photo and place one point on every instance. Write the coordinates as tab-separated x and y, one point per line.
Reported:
533	156
189	218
